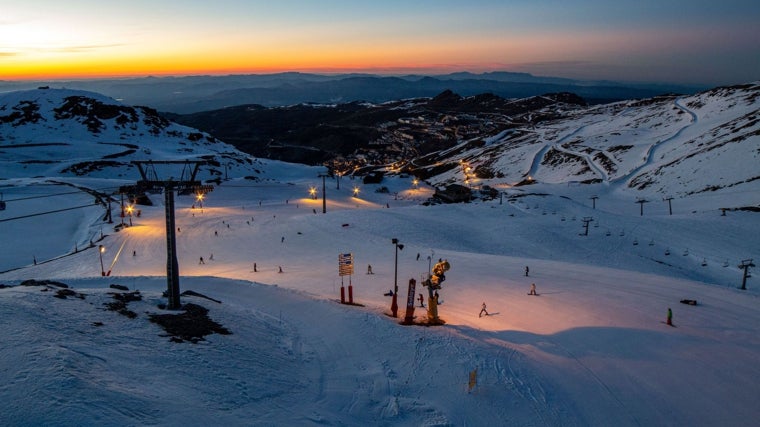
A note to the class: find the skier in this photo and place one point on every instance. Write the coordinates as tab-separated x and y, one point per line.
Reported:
282	240
532	289
211	257
670	317
483	310
134	253
526	271
216	233
280	269
255	270
201	261
389	293
418	256
422	300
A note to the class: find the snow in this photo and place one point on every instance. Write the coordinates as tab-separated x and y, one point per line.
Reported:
591	350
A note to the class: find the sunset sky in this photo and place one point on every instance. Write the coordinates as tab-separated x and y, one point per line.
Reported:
676	41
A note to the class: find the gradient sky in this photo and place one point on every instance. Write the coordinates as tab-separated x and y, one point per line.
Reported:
696	41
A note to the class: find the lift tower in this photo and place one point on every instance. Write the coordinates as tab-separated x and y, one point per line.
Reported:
187	183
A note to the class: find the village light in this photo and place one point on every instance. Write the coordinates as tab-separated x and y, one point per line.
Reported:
415	182
101	249
313	192
199	199
356	191
394	300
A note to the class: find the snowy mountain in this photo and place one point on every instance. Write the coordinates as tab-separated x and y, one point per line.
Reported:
60	132
666	146
663	146
262	339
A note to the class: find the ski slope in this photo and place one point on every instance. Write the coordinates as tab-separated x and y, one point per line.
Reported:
591	350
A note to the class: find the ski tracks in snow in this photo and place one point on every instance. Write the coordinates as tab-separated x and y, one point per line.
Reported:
650	154
538	158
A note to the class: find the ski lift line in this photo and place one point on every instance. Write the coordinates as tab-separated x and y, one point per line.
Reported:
46	213
56	194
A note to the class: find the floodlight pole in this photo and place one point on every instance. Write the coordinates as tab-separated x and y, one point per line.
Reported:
324	193
670	207
593	201
394	298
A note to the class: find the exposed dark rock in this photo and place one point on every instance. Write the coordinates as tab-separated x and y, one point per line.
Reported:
191	325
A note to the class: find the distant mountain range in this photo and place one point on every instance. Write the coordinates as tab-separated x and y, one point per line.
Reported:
192	94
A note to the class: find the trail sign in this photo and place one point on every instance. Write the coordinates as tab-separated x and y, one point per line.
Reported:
346	264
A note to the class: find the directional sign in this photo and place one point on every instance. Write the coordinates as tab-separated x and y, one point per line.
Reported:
345	264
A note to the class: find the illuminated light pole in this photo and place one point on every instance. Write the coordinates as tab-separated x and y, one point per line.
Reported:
415	183
356	191
101	249
394	301
199	199
130	208
313	192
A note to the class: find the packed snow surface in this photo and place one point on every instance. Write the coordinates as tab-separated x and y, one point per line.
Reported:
592	349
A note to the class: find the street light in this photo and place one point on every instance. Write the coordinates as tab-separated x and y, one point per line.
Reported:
356	191
130	208
394	301
199	199
313	192
101	249
415	182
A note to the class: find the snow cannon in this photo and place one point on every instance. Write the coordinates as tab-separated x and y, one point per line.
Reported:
438	276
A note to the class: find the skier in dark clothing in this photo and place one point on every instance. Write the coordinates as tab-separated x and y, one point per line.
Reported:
670	317
526	271
422	300
201	261
483	310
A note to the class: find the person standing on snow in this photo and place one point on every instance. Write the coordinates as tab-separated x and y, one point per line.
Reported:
201	261
422	300
526	271
670	317
532	289
483	310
